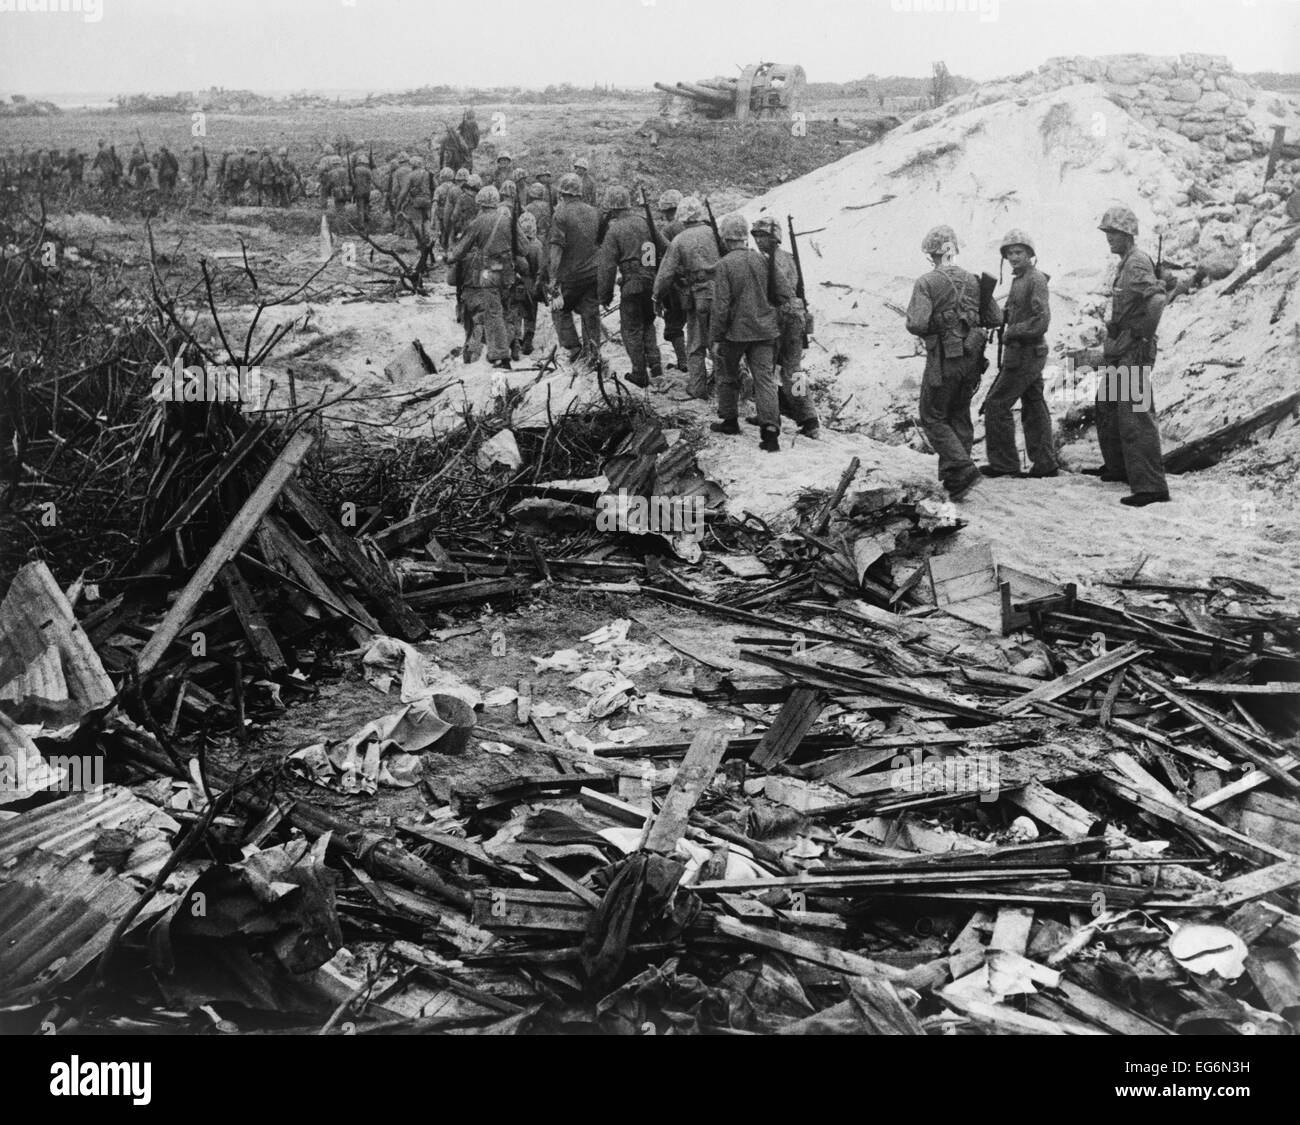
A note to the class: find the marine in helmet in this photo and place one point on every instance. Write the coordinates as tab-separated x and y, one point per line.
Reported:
670	226
792	394
1126	416
572	271
629	251
485	270
743	324
945	312
504	170
588	193
530	280
539	206
1024	355
463	206
686	278
443	195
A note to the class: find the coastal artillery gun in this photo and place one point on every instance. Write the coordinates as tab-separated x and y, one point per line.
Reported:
763	92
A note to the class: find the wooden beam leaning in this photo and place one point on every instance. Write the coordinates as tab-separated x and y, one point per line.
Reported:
227	547
394	613
696	771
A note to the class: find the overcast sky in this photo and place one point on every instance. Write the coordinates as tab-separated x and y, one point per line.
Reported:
171	45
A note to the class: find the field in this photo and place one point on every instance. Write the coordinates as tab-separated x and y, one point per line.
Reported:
626	142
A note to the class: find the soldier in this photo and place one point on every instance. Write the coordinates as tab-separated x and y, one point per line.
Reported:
629	251
105	163
223	171
198	169
465	207
672	312
531	266
1126	421
1026	316
588	184
743	324
792	397
396	187
362	185
340	181
520	178
325	176
169	170
688	266
552	195
504	171
286	177
486	271
944	311
469	138
265	175
443	194
540	209
508	193
75	164
137	167
572	269
417	199
252	176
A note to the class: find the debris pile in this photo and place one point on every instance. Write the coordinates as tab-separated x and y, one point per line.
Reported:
913	791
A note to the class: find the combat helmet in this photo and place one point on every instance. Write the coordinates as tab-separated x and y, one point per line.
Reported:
690	210
733	227
1120	219
570	184
670	200
617	199
767	224
938	239
1018	237
488	197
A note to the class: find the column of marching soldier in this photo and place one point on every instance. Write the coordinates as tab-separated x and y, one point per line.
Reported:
722	302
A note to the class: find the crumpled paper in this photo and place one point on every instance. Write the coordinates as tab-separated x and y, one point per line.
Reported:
383	752
421	678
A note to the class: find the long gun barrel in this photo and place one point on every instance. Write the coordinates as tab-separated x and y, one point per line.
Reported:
650	222
717	235
700	93
799	290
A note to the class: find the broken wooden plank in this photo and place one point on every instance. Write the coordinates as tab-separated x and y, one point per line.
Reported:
823	518
1079	677
1193	822
793	722
230	543
394	614
840	960
473	590
251	618
513	908
696	771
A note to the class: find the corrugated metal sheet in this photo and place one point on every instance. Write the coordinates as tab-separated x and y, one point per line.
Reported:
56	912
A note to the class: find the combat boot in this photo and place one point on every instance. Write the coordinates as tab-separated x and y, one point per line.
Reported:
726	426
770	441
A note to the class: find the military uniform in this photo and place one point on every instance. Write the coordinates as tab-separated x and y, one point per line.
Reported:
1126	424
688	265
674	314
137	167
944	312
108	166
1024	356
486	270
265	176
540	209
791	316
573	267
625	249
198	170
75	164
443	196
463	210
744	323
363	184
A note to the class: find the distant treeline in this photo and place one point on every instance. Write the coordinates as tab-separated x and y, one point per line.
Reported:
892	86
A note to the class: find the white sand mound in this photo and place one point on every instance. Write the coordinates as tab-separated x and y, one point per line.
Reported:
1051	164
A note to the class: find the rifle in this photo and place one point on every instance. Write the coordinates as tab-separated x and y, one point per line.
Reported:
650	222
799	290
717	237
